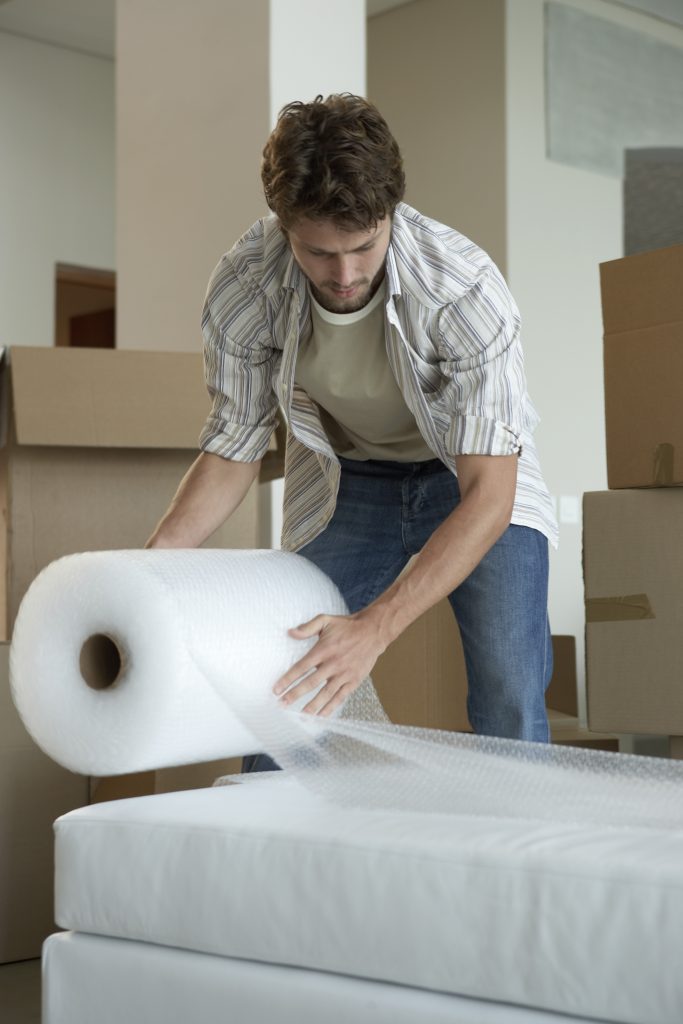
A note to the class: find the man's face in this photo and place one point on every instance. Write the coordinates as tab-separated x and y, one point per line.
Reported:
345	268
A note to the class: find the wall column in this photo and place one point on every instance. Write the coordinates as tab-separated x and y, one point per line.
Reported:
193	111
198	88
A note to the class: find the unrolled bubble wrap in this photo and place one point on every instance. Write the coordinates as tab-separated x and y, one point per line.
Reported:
124	661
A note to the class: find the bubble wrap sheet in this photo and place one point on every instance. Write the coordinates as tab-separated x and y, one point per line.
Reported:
187	647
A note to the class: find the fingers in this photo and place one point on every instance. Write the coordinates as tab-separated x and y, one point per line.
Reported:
334	666
299	673
326	701
331	693
311	682
311	628
311	661
306	664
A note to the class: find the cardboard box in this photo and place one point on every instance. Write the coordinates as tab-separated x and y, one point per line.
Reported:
421	681
562	695
33	792
563	704
642	305
93	446
567	731
633	568
164	780
421	678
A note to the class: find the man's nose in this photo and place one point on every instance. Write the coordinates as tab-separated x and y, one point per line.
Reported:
343	272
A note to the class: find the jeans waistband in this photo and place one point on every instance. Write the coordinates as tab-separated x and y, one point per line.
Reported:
386	468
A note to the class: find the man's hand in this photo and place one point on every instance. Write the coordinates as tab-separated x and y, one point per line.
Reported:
346	651
349	645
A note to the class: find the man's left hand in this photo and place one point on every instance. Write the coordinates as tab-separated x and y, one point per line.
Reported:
346	651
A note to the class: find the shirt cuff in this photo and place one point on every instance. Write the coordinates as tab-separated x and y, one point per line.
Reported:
475	435
235	441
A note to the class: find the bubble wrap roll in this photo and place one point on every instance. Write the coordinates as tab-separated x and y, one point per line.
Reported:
131	660
113	652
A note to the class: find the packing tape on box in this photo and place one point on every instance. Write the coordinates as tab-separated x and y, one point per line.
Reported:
618	609
131	660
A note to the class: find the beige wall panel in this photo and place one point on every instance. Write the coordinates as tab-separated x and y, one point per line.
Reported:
192	117
436	70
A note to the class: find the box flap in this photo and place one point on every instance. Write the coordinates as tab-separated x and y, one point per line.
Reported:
642	290
108	398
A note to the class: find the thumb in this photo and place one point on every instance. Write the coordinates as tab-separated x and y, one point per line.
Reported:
311	628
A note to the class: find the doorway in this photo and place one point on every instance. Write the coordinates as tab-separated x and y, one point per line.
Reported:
85	307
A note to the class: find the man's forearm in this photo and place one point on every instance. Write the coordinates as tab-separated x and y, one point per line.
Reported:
449	556
349	645
208	494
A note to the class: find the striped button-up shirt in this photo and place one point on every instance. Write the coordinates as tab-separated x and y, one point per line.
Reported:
453	342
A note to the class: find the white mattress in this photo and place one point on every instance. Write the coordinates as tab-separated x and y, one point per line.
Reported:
573	919
92	980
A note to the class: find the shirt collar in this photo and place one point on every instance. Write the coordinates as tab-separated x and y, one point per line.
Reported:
391	270
293	277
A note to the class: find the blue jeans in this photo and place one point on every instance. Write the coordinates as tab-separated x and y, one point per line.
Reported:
385	513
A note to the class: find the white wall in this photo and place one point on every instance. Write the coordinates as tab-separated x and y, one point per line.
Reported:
56	177
328	57
562	222
315	48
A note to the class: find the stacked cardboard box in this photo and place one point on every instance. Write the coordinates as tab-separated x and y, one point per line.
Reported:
93	444
633	533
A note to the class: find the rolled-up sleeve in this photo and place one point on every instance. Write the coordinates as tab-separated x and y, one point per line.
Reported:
239	361
481	359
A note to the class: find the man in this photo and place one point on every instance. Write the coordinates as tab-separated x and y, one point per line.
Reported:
392	345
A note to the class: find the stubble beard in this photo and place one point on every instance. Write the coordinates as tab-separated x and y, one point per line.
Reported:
354	303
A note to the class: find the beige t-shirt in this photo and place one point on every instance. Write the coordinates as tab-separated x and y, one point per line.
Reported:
344	368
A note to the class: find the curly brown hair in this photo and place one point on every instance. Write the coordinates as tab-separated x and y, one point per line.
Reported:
332	159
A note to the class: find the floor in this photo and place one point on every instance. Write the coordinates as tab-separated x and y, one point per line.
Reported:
20	992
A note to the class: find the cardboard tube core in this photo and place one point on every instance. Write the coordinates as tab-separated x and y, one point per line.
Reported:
100	661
